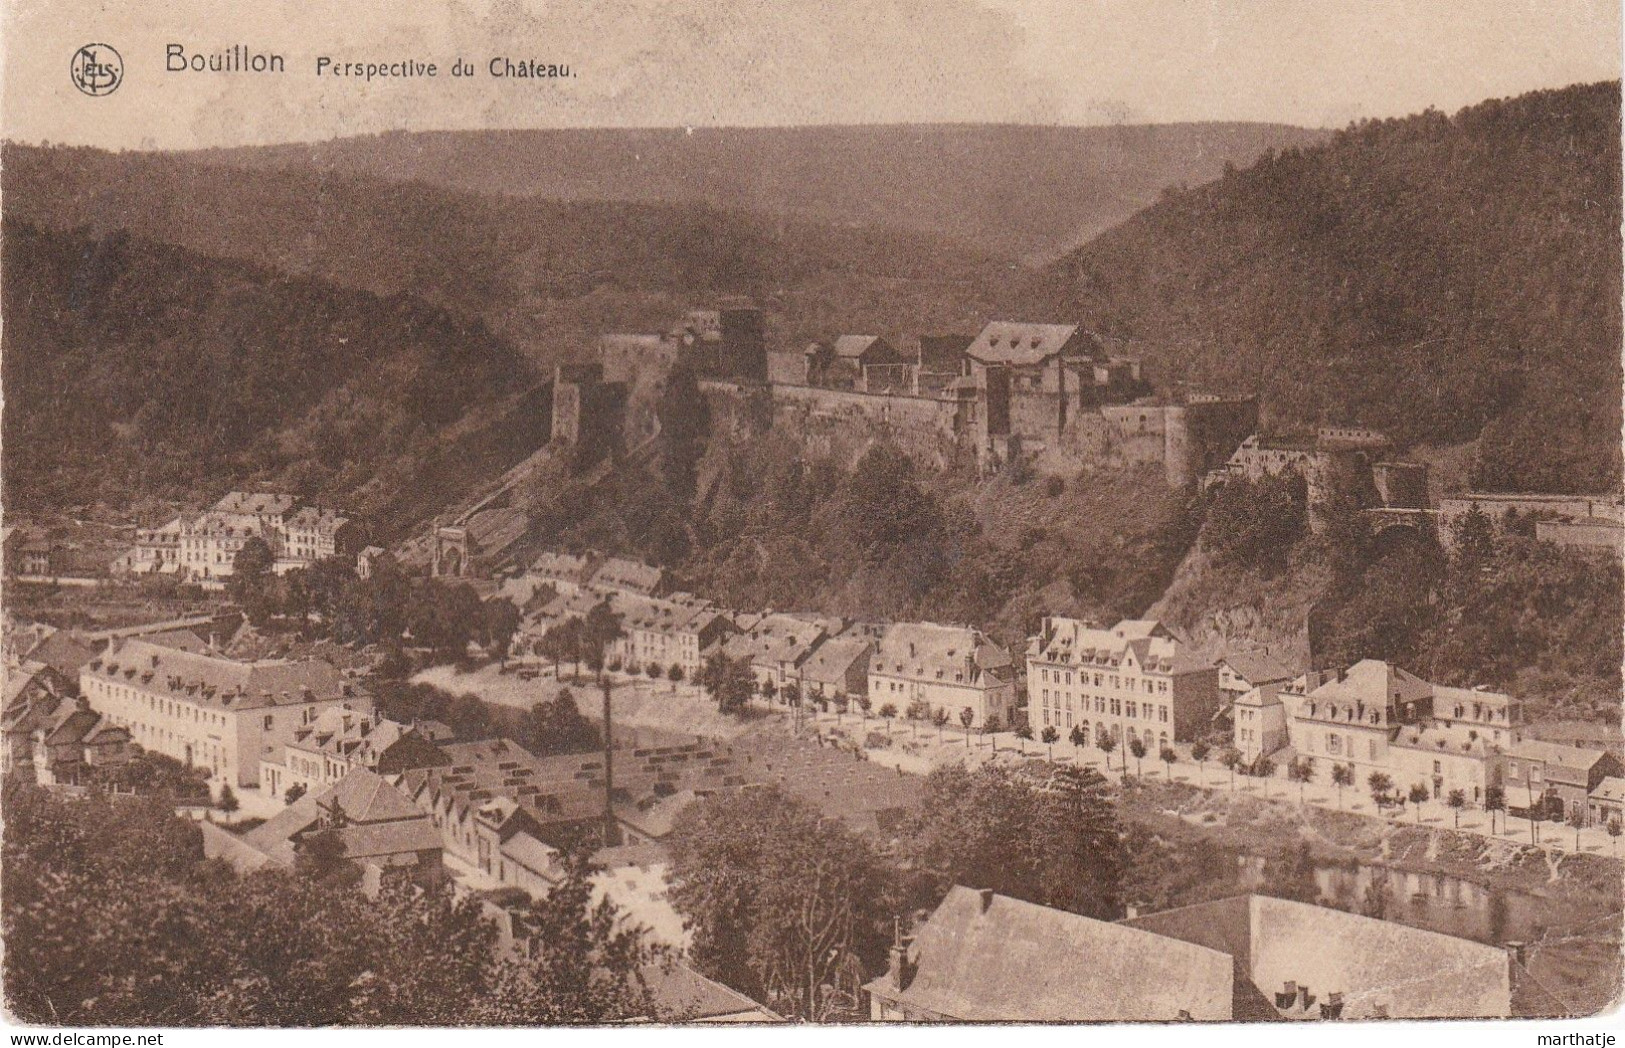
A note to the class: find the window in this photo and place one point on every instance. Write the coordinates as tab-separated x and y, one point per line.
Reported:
1131	710
1371	745
1163	713
269	721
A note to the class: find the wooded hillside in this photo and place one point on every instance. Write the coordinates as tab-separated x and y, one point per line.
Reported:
1443	277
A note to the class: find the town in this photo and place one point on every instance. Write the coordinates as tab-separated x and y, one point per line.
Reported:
1135	536
300	753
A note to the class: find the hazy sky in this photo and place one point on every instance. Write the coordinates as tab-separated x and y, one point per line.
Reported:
752	62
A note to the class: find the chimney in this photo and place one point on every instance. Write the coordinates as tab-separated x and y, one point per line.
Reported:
1333	1006
899	968
1305	998
987	898
1288	994
1516	949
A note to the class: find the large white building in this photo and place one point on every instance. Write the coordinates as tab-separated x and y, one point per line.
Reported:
1135	680
204	546
927	667
211	712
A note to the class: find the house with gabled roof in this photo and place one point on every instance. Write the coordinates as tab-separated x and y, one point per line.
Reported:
984	957
1349	715
340	740
930	668
1556	777
775	646
1134	680
378	828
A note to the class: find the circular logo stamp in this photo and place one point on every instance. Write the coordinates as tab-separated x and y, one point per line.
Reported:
97	69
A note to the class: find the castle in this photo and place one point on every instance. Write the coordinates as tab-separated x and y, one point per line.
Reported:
1045	396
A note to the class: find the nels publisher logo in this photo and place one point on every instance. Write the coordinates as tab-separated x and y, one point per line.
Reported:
97	69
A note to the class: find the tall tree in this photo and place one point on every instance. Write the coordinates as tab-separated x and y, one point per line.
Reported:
778	898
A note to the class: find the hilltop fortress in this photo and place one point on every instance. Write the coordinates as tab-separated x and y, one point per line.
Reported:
1047	396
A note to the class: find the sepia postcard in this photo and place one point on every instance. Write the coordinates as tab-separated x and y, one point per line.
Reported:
638	513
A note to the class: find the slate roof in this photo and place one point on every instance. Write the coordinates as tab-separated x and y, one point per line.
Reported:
18	678
363	741
1570	759
1075	643
1259	667
773	639
525	850
853	346
626	574
562	567
254	503
679	992
984	957
1372	683
63	652
831	660
221	683
380	820
1010	342
1457	740
180	640
313	517
928	651
1610	789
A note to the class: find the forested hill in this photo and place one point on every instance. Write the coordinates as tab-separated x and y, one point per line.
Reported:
135	370
547	276
1443	277
1012	190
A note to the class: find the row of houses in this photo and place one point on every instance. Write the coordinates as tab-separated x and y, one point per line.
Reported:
926	668
374	823
1375	717
203	546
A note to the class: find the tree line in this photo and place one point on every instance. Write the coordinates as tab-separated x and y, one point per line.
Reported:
113	917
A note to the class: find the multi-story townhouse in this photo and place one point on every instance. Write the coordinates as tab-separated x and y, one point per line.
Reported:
665	632
1135	680
929	667
313	534
155	550
210	712
210	543
1350	716
775	646
1446	758
1259	721
340	741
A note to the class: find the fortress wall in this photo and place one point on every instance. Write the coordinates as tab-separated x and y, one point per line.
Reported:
842	424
